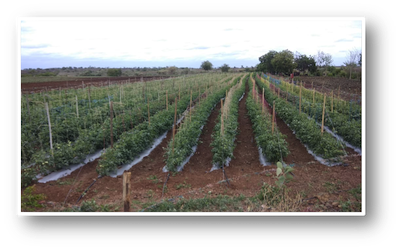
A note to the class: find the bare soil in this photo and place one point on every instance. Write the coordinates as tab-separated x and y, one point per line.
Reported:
77	83
320	187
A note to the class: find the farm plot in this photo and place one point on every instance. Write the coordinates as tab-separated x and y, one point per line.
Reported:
200	126
341	117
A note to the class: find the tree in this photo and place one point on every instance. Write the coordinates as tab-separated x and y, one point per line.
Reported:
225	68
283	62
206	65
172	70
305	63
265	64
351	62
114	72
324	60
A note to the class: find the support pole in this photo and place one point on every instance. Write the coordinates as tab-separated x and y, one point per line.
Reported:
323	115
273	117
111	124
48	119
126	190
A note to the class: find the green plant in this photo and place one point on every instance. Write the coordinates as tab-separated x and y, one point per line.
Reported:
283	173
30	201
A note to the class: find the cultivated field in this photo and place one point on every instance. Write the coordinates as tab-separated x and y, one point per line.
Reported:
212	142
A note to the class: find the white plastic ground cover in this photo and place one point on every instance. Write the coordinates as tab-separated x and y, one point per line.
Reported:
138	159
68	170
358	150
180	167
263	159
318	158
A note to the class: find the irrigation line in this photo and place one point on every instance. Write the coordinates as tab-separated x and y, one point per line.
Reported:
72	185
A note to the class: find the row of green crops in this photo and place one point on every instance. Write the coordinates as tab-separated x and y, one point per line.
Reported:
273	144
187	137
134	142
307	131
67	126
350	109
223	141
348	127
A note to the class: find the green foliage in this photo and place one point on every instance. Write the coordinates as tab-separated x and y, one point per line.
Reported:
225	68
114	72
272	144
283	62
307	131
305	62
283	174
134	142
29	201
206	65
189	132
265	64
223	145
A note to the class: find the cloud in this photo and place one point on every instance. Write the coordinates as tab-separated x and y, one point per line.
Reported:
343	40
198	48
38	46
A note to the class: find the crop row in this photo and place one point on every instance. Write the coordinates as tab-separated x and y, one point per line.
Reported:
345	126
272	143
226	129
187	137
307	131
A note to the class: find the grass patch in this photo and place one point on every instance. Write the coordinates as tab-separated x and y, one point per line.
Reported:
30	201
221	203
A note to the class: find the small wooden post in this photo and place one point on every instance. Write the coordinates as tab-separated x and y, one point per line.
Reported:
166	99
332	101
126	190
48	119
323	115
148	110
27	105
300	101
190	109
263	111
173	128
273	116
222	117
313	94
77	109
111	124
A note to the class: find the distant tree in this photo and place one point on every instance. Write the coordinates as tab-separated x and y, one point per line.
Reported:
265	64
225	68
359	60
305	63
114	72
324	60
351	62
172	70
283	62
206	65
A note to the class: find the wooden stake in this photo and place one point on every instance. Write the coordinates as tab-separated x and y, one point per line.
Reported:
126	190
77	110
166	99
323	115
48	119
300	101
332	101
27	105
313	94
263	111
173	128
190	110
148	110
273	116
111	124
222	118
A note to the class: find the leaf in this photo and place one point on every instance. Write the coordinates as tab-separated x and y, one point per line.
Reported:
279	165
278	171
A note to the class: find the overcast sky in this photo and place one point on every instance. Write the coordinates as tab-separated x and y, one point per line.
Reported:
181	42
